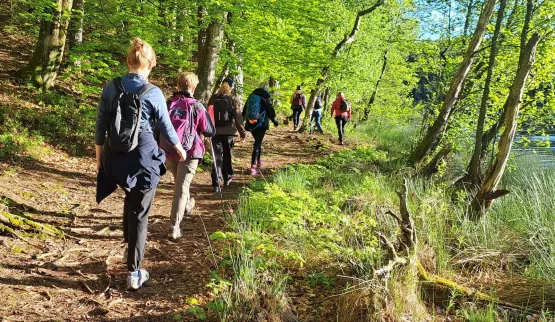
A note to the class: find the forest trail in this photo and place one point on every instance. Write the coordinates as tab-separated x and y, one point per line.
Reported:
81	277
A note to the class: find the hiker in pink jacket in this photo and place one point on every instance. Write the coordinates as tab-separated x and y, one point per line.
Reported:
180	105
342	110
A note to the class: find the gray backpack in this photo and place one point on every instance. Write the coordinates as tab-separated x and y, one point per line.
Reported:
125	118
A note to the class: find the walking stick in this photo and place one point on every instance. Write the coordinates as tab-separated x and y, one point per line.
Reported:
214	165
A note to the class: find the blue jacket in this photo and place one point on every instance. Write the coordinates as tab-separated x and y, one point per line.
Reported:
143	166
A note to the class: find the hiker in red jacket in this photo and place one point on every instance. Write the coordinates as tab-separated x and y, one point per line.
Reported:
342	109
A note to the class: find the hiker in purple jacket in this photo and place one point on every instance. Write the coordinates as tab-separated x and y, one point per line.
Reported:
184	171
298	105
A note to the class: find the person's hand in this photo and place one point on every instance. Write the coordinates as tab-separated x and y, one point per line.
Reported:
181	152
99	150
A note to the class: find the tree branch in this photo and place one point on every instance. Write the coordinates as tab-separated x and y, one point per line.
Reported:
351	37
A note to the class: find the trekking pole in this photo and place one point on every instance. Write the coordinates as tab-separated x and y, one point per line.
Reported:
219	184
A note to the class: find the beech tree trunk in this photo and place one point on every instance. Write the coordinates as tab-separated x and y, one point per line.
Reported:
432	138
49	49
338	48
76	24
475	166
375	92
209	46
489	191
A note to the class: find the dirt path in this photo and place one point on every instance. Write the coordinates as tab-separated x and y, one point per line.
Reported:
81	278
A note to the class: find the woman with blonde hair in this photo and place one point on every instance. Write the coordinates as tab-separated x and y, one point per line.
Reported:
226	109
127	154
192	121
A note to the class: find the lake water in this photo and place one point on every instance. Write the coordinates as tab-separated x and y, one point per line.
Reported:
545	154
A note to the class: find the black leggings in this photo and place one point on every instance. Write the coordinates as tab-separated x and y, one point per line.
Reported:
340	121
223	167
258	135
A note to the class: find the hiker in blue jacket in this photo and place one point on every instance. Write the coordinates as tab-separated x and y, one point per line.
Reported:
137	171
258	112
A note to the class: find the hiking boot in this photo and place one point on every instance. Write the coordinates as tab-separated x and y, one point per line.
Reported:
217	189
175	234
341	142
259	164
190	206
136	279
254	171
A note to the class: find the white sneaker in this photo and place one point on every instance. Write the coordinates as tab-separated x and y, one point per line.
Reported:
136	279
175	234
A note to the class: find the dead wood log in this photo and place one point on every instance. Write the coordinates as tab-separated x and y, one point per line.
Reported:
19	223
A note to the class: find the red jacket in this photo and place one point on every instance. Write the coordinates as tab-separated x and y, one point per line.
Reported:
336	108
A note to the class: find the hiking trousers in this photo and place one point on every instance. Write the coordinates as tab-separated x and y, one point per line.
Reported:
223	166
183	173
136	207
258	135
340	121
297	116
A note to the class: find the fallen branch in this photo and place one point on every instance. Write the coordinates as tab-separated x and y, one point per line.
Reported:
24	224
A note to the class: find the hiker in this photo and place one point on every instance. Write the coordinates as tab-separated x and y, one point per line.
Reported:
226	110
298	104
258	112
317	115
191	120
342	109
129	156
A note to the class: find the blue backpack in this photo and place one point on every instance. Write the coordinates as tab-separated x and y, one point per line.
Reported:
255	114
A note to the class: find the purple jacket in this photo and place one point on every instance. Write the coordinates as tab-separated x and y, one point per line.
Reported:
203	125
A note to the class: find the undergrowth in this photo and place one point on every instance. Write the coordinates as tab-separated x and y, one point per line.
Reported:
318	223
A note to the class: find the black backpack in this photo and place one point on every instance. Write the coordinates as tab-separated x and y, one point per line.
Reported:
125	118
223	110
318	103
344	106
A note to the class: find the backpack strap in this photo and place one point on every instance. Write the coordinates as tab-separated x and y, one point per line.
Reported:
119	85
145	89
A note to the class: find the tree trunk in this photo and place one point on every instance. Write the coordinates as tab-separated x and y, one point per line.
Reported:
238	78
223	75
49	50
475	166
210	43
434	134
490	135
326	98
373	96
469	8
338	48
489	191
76	24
